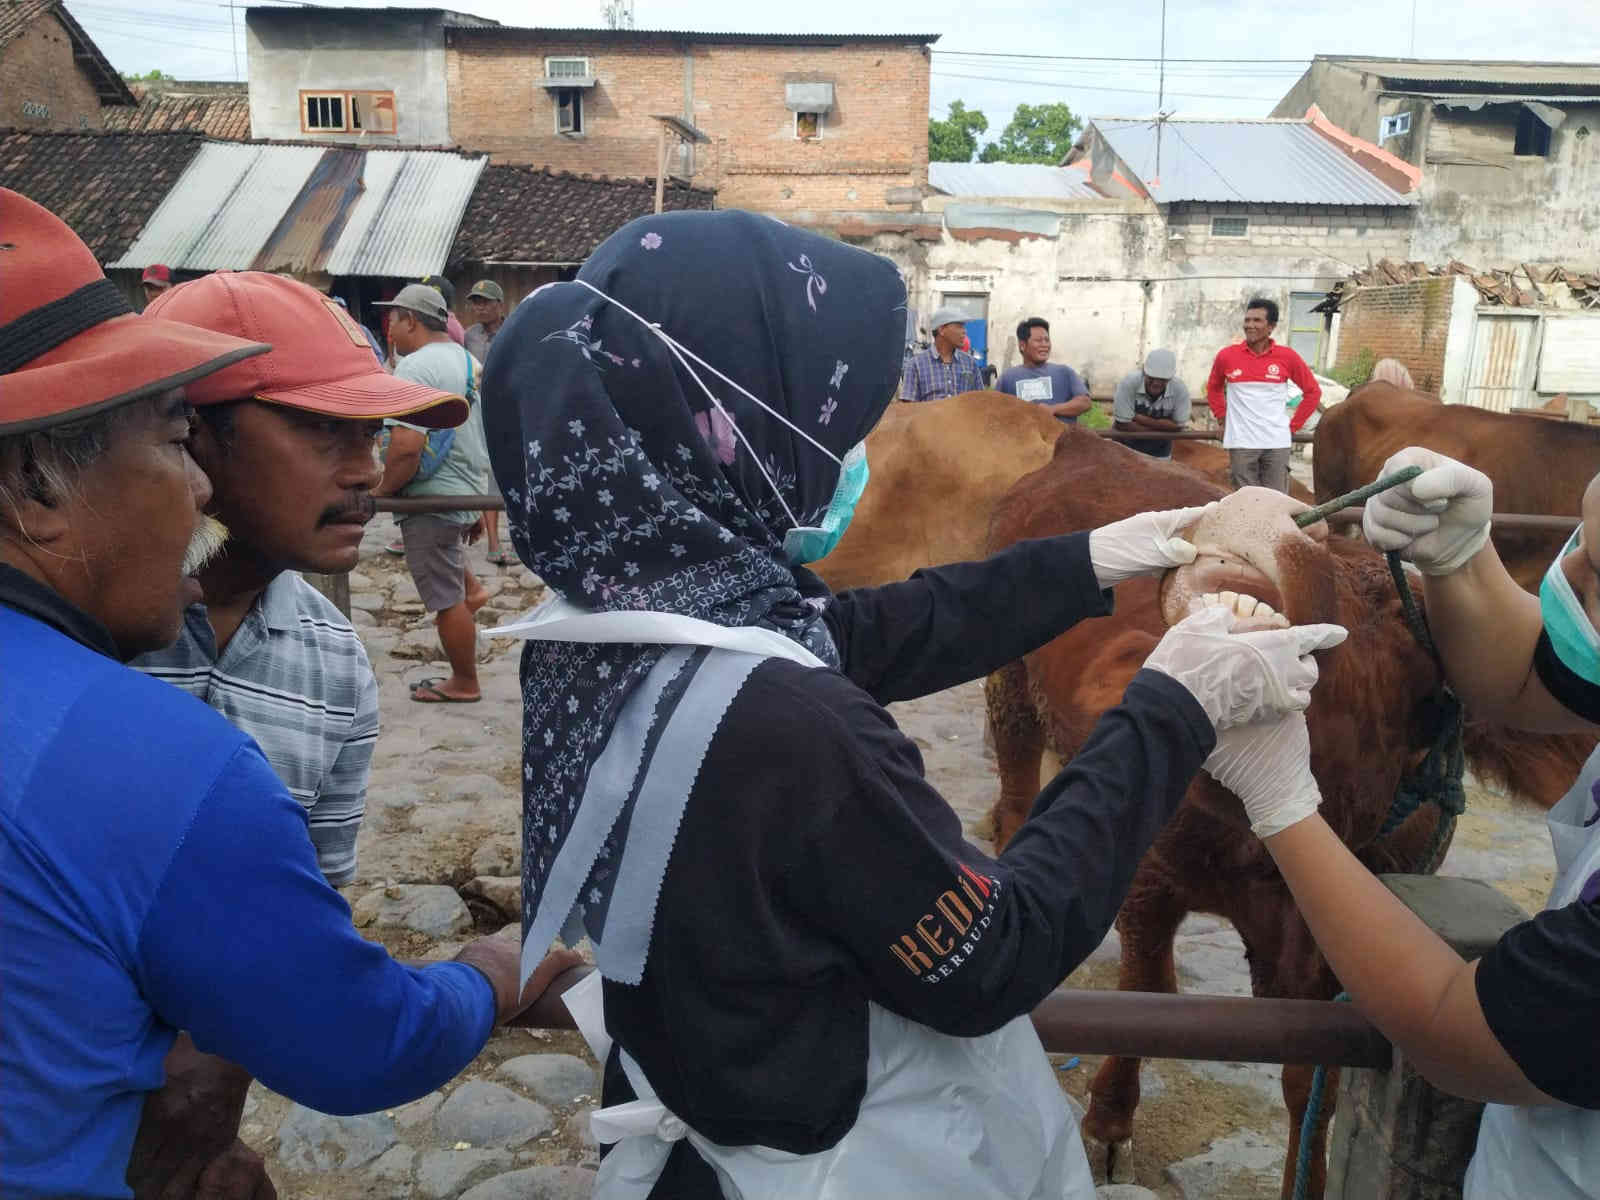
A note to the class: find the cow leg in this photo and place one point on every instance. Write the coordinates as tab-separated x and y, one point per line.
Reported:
1285	963
1148	924
1018	748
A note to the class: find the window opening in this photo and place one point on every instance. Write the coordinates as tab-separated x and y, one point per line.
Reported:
1230	227
808	126
1533	136
325	112
569	110
1396	126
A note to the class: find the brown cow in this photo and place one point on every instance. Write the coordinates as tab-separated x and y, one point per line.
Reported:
939	468
1538	466
1370	721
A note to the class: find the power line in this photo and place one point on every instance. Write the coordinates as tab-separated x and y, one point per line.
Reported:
1110	58
1094	87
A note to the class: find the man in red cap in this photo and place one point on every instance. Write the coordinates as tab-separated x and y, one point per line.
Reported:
157	278
155	874
288	441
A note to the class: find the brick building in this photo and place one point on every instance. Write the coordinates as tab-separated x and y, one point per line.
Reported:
791	121
52	75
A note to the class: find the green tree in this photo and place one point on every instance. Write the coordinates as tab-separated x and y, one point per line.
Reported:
955	139
154	76
1038	133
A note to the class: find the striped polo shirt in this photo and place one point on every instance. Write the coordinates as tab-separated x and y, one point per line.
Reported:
295	677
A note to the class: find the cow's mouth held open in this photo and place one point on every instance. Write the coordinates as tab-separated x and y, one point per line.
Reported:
1226	581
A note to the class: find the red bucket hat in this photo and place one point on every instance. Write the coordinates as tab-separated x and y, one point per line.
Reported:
320	359
70	345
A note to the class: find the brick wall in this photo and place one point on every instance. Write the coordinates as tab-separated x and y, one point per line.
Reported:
1409	322
874	139
41	86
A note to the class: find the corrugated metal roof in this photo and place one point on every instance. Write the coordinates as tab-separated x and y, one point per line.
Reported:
1250	162
344	210
1010	179
1451	70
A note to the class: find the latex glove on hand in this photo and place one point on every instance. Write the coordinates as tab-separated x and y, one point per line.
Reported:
1242	677
1146	544
1267	764
1439	520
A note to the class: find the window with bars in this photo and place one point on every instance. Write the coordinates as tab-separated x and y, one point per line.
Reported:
347	112
566	68
1231	227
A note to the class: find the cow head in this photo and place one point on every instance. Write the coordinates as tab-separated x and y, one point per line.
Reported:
1377	708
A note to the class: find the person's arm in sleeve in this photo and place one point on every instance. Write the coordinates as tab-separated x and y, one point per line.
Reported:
403	457
1182	406
1007	382
1077	402
249	949
1216	390
1124	411
946	935
335	819
915	637
1310	393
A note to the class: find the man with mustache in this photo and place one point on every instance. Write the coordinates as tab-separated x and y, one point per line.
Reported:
287	440
155	874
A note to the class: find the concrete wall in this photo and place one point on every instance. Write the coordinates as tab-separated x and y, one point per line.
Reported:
1346	97
43	86
875	138
1114	284
382	50
1489	207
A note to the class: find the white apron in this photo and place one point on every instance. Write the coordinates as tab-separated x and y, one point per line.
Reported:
1543	1152
983	1118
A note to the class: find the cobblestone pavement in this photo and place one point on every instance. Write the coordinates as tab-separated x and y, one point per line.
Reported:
439	857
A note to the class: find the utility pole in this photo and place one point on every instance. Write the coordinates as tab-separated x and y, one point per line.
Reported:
1413	51
1161	85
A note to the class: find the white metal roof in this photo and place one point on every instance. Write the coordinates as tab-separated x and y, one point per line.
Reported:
1243	161
344	210
996	180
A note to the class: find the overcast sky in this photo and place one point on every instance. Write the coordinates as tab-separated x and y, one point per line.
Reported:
192	40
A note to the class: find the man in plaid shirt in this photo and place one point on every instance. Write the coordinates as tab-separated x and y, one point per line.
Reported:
943	369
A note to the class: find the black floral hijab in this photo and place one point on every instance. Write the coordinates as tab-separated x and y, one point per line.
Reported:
628	487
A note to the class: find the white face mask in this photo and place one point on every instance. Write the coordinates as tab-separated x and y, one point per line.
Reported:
683	354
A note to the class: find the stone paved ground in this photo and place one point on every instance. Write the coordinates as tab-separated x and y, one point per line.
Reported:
439	863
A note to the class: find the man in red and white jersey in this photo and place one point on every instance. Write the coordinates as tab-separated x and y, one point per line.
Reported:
1249	392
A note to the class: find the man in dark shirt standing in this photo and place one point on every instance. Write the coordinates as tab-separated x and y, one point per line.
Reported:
943	369
1040	381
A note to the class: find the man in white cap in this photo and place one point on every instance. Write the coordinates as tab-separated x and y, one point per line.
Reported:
943	369
420	464
1152	399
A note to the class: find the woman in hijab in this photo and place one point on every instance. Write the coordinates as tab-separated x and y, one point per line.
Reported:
812	984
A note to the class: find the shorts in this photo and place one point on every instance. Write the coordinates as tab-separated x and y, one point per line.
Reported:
436	554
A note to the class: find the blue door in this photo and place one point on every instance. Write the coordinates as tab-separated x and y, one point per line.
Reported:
978	333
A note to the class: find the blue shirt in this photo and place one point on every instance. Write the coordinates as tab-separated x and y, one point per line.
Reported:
156	876
926	376
1053	383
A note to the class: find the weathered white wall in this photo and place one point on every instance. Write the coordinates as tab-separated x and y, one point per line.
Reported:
1120	278
384	50
1488	207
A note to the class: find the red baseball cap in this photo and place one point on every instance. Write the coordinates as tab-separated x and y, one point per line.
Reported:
157	273
70	345
320	359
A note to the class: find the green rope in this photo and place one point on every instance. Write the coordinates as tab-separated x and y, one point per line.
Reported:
1312	515
1308	1122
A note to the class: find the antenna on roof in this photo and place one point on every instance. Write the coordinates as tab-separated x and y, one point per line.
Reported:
619	14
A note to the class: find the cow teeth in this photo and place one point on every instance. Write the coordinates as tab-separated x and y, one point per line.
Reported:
1211	600
1245	605
1263	609
1229	600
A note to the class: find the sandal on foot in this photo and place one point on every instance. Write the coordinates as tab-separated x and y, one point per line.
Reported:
427	691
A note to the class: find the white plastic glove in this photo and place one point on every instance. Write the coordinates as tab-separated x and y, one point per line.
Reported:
1146	544
1240	677
1439	520
1267	764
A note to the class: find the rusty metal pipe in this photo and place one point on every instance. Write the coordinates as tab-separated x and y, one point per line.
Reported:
1181	435
1151	1025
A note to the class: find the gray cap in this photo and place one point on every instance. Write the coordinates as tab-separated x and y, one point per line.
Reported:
418	298
948	315
1161	364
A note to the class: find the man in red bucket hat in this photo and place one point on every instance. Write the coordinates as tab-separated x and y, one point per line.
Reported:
155	874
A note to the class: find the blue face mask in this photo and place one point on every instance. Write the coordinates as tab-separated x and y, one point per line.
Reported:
809	543
1566	622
